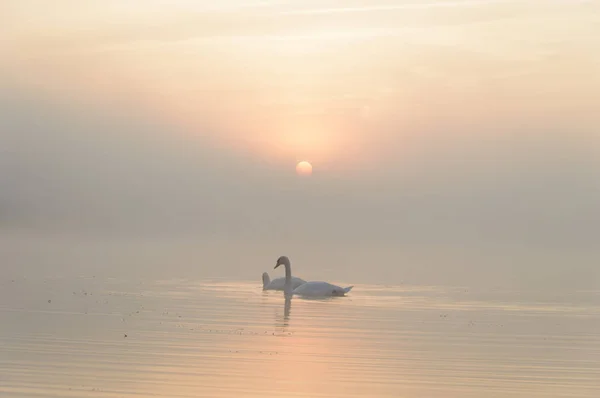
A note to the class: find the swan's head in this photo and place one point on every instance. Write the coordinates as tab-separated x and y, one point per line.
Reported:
283	260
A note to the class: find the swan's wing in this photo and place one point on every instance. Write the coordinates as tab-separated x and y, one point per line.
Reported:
279	283
266	280
276	284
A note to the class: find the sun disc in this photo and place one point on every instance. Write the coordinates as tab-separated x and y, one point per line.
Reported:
304	168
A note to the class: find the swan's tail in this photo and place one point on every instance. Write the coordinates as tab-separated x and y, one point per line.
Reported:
347	289
266	280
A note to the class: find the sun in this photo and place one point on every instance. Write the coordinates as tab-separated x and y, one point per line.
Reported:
304	168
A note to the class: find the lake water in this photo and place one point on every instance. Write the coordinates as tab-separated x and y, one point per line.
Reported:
99	337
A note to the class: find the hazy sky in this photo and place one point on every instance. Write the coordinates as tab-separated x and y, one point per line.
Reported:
429	124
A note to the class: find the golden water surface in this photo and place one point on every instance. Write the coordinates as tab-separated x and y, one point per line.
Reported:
93	337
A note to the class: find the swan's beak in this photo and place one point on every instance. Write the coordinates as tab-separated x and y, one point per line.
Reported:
277	265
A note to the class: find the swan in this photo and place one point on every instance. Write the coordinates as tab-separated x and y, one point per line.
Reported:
309	289
279	283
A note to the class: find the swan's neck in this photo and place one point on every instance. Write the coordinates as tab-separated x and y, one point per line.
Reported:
288	278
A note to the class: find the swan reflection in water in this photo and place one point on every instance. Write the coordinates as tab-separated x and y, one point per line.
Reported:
287	308
281	321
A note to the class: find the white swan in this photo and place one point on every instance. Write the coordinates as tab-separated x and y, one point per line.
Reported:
309	289
279	283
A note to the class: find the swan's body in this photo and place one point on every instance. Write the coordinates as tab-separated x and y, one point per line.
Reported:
279	283
309	289
321	289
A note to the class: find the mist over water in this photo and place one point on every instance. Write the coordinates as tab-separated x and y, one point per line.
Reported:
147	180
